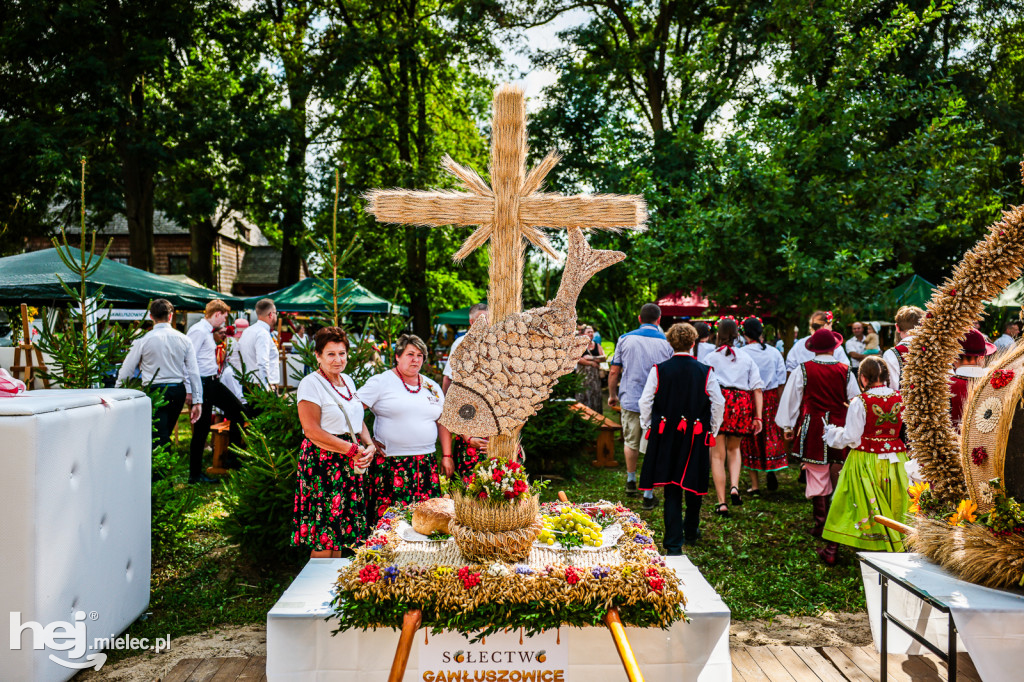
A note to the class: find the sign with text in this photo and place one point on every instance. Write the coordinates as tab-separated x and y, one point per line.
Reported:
449	657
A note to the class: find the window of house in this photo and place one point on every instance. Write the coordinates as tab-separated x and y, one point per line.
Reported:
120	259
177	265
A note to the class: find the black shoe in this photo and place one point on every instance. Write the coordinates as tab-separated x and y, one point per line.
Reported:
203	478
736	500
649	503
773	481
754	492
631	489
722	509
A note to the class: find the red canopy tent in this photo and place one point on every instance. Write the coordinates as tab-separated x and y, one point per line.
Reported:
694	304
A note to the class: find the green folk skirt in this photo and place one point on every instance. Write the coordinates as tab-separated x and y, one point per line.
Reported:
868	486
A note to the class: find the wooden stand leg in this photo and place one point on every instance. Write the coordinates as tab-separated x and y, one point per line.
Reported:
605	450
410	624
614	623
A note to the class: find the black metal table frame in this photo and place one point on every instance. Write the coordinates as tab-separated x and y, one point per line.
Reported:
948	656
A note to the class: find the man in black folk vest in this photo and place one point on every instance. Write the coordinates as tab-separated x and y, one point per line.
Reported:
681	410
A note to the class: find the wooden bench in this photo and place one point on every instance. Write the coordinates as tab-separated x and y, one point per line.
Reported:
605	446
221	440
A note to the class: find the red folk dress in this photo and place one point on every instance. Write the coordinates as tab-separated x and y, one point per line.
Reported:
824	400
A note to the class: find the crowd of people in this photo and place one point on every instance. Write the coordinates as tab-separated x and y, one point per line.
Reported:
699	411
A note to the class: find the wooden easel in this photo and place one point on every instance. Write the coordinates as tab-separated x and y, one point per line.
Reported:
28	369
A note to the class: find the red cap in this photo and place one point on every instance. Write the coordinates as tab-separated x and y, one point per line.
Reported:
824	341
975	345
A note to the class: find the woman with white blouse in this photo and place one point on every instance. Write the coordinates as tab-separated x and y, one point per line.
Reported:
765	451
741	386
406	406
331	502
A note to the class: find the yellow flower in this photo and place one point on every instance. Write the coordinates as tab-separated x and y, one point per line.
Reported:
967	511
915	491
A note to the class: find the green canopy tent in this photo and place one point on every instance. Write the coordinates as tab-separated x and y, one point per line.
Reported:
455	318
1011	297
33	278
306	297
914	290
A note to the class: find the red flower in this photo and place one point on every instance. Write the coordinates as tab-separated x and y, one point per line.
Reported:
482	494
497	475
514	466
336	502
324	539
369	573
656	583
433	478
304	530
979	454
295	540
1001	377
468	579
519	487
572	575
398	481
509	494
652	572
337	475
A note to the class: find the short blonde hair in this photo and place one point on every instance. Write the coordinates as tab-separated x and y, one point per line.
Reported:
681	336
217	306
908	317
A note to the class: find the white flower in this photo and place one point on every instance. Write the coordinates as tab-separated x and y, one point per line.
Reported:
498	570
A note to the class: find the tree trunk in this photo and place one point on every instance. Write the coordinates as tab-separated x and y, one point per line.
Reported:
137	171
203	235
292	223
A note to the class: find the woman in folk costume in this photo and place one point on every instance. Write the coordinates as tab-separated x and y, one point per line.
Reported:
742	386
680	411
765	451
974	352
874	479
817	393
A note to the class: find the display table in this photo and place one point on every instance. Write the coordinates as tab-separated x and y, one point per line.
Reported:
990	622
75	527
300	645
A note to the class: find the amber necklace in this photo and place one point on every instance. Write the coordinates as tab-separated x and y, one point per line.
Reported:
345	397
419	382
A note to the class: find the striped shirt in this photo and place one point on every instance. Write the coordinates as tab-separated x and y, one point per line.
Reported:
636	352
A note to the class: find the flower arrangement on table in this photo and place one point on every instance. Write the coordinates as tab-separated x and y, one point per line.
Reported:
547	590
494	480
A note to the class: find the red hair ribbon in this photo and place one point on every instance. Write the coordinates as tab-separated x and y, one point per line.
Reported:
727	348
828	316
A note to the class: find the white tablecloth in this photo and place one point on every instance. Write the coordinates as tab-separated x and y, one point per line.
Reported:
300	645
990	622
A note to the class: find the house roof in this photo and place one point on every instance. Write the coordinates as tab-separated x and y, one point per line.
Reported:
234	226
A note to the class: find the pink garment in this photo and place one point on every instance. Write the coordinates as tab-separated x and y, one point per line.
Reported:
9	386
819	482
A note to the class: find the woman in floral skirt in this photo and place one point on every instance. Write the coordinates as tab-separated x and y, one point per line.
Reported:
330	503
406	406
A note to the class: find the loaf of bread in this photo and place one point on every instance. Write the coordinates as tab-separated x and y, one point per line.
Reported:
433	515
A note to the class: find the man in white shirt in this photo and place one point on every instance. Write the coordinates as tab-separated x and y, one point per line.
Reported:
907	319
1010	333
476	312
166	360
856	345
215	393
798	354
255	353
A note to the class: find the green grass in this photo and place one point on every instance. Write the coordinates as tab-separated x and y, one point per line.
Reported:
760	560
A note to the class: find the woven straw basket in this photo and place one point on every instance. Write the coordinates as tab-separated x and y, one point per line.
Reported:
496	518
510	545
484	531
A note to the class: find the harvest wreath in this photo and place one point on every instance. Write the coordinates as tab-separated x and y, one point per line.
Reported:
550	588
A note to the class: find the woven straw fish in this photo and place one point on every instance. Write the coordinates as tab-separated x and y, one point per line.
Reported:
502	374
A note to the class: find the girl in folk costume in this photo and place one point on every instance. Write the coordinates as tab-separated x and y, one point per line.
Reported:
874	479
766	450
816	394
742	387
974	350
907	319
680	411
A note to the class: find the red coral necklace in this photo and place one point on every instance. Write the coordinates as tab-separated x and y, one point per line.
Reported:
419	382
345	397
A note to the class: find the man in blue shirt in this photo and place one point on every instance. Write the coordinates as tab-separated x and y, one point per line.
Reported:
636	352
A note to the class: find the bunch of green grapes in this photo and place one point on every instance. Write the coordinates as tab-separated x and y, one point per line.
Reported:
573	528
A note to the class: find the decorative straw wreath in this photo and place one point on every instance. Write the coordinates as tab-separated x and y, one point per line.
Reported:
967	517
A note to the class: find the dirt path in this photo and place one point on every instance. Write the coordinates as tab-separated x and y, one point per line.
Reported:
829	629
